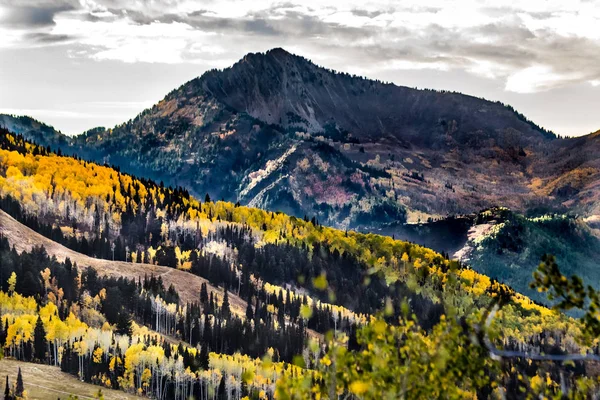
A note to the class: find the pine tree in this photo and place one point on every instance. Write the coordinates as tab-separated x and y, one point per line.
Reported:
167	349
211	304
221	390
124	323
204	357
249	312
39	343
203	294
19	389
7	390
207	332
225	310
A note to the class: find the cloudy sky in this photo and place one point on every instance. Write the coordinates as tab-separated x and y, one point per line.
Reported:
77	64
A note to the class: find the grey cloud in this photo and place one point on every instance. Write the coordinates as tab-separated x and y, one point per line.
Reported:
46	38
365	13
291	24
503	31
32	14
32	17
95	18
371	50
511	44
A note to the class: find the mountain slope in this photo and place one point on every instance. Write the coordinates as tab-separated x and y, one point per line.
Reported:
284	134
508	246
426	151
187	285
35	130
278	132
570	174
72	196
281	264
46	382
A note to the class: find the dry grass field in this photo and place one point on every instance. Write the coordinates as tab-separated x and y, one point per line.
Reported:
45	382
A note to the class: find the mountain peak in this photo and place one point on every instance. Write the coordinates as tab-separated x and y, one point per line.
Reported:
276	54
282	88
279	51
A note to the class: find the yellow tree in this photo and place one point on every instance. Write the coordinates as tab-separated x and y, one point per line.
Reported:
12	282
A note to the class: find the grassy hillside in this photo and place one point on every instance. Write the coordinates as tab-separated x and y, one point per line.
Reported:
46	382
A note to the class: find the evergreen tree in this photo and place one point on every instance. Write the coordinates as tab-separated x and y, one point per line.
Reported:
166	256
221	390
7	390
39	344
249	312
204	357
167	349
19	389
207	333
203	294
225	309
211	303
124	323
